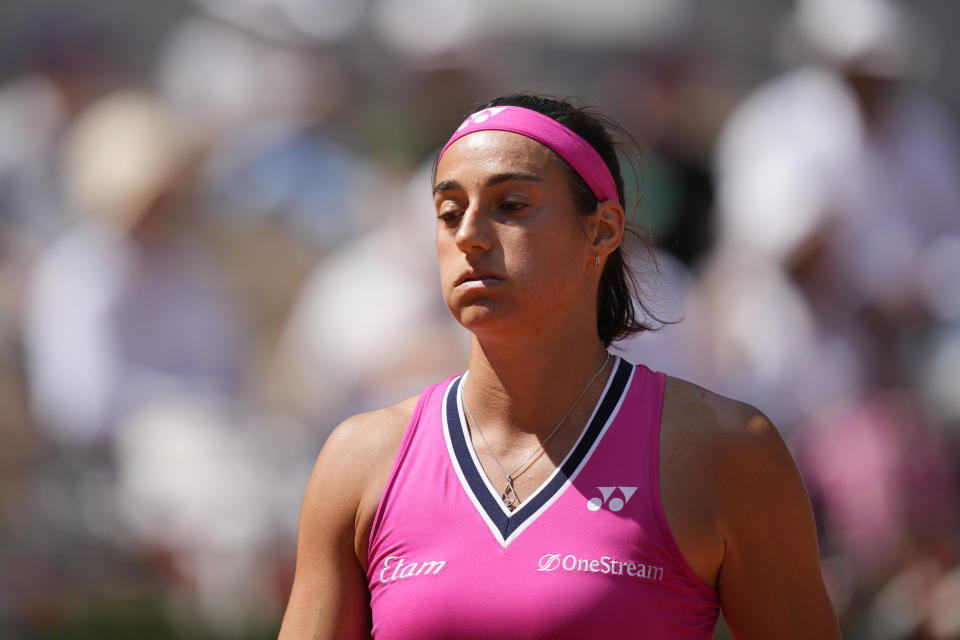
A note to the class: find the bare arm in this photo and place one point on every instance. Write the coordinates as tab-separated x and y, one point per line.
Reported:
329	599
739	512
770	584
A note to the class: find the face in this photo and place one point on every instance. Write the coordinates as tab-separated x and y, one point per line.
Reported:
514	252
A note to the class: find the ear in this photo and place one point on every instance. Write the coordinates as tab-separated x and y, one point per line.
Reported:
608	228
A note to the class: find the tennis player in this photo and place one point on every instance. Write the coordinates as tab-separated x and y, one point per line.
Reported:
553	490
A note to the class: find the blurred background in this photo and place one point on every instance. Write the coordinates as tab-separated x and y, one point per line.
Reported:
216	243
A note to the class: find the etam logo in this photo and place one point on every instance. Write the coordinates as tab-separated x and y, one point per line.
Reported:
404	569
480	117
613	504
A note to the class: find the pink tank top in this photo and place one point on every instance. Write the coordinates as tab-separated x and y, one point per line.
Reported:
589	555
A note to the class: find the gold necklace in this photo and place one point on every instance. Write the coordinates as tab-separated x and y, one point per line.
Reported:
509	495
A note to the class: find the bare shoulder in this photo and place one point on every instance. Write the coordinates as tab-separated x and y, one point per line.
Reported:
706	442
329	598
714	420
721	436
355	462
372	437
732	443
739	511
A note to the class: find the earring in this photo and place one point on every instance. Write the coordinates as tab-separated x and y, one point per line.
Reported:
596	261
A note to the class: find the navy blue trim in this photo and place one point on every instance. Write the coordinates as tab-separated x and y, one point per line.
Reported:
507	524
462	452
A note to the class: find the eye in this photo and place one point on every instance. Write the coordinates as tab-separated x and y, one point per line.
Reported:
450	216
513	205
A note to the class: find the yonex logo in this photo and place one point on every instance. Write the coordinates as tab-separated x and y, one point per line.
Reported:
480	116
613	504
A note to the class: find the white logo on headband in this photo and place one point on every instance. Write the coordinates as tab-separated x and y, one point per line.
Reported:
480	116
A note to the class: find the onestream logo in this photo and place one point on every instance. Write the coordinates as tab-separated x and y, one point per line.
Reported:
603	564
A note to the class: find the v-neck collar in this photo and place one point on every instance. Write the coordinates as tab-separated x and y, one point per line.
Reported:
506	525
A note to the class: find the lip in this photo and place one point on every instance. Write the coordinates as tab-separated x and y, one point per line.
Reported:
477	279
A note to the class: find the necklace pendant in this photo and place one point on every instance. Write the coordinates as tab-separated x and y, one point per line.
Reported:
508	495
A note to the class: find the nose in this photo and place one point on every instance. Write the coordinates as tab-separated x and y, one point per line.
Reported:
473	232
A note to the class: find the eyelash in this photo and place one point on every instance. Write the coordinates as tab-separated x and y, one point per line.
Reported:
450	217
513	205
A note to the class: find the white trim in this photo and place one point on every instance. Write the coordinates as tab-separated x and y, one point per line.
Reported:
456	466
560	490
473	454
586	457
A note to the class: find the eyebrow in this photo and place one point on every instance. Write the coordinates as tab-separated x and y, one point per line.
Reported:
497	178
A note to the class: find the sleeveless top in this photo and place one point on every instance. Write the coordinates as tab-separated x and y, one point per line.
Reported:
588	555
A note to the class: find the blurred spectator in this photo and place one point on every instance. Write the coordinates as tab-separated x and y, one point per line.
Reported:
843	176
58	63
209	492
370	326
124	305
314	22
830	299
667	286
282	183
850	146
883	480
830	292
136	356
267	106
663	96
64	61
884	483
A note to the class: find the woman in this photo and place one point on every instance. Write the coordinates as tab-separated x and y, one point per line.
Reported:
554	491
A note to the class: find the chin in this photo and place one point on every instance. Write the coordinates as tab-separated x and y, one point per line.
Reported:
483	317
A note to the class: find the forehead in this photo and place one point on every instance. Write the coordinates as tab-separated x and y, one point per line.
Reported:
483	153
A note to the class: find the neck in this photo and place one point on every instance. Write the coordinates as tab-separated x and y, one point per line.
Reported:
516	390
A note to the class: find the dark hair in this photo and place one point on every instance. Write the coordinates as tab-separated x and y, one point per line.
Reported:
617	317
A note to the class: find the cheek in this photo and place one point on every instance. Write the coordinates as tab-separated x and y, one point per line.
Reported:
450	263
445	254
553	260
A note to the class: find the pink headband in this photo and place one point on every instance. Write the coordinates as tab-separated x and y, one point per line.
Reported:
568	145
